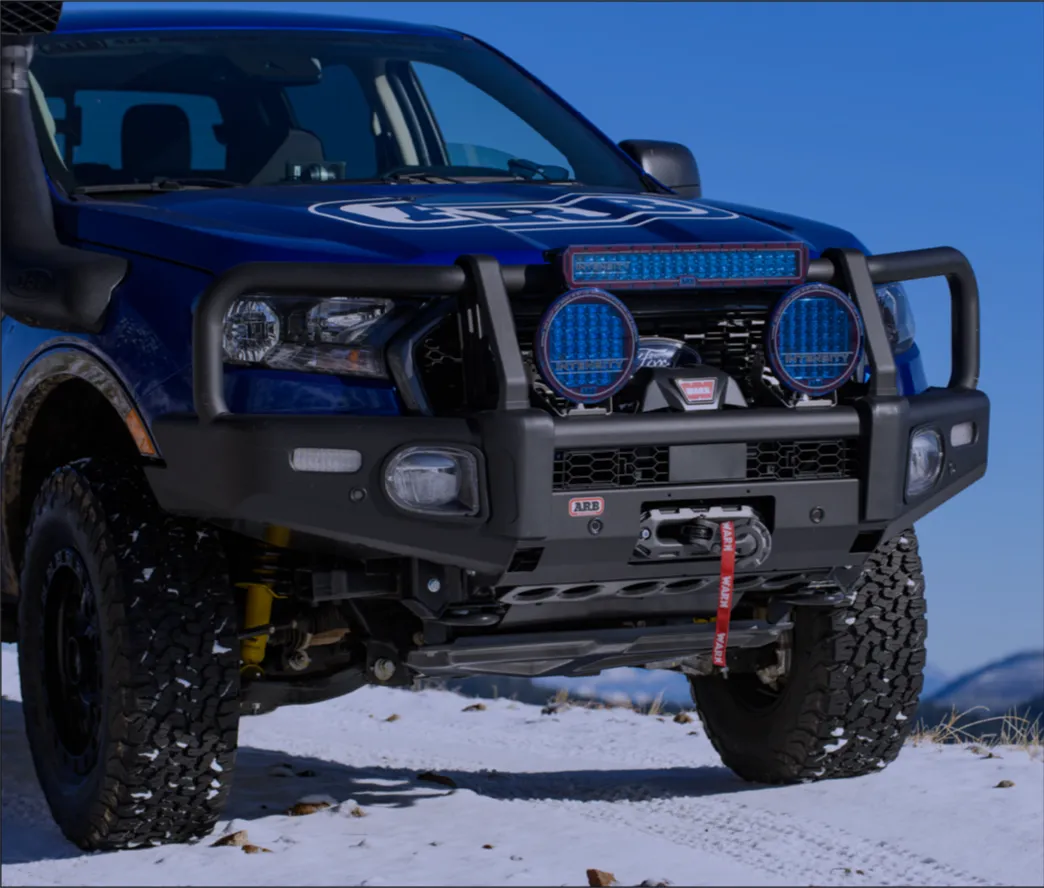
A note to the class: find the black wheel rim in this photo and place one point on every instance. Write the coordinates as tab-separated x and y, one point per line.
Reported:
72	660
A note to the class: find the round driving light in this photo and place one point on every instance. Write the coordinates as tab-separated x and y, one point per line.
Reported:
436	481
586	346
815	339
926	460
251	331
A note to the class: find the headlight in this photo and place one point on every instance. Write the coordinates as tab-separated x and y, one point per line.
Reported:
898	316
342	335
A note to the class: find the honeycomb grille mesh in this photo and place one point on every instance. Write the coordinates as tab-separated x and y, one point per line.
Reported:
802	460
614	468
37	17
611	468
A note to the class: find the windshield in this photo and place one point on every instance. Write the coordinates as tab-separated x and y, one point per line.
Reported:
223	108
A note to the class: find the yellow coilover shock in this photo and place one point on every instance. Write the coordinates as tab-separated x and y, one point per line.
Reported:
259	596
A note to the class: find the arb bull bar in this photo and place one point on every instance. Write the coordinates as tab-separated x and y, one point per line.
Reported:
236	468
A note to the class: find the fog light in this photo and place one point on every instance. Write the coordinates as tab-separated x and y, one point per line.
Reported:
319	459
962	433
926	459
436	481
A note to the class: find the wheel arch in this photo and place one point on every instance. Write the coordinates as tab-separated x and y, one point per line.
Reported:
69	389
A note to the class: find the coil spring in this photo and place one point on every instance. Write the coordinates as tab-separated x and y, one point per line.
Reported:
270	566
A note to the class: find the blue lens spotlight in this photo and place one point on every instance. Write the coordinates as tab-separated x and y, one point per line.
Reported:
586	346
815	339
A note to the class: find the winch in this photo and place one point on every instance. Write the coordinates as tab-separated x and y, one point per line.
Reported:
684	533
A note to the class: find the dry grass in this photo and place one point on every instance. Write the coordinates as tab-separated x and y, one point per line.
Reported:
1010	731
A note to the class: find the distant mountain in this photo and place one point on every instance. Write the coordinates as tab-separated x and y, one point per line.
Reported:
934	680
1000	685
1015	682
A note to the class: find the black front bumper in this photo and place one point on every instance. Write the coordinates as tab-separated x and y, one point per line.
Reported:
236	468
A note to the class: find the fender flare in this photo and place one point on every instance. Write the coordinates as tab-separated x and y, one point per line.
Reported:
54	363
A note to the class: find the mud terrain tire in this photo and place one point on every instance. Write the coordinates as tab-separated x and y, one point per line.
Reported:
851	696
128	661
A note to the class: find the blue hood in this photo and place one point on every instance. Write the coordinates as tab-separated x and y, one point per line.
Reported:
518	223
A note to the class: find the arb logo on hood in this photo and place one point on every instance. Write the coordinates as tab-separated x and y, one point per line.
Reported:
565	211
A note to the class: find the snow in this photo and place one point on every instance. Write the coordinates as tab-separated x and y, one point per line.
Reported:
639	796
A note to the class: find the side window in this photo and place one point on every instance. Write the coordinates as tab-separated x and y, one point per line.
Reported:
104	112
478	130
336	110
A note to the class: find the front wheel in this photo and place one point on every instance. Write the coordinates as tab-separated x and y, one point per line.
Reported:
128	659
847	701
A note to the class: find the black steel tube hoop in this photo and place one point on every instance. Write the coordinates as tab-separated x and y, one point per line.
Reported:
913	265
489	284
964	300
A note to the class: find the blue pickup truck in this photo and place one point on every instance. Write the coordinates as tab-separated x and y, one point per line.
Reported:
340	352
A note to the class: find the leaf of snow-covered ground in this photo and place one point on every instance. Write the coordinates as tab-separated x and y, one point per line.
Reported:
554	795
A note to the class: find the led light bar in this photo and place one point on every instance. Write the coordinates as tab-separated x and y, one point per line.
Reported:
686	265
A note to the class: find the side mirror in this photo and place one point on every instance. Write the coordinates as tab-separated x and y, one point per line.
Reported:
667	162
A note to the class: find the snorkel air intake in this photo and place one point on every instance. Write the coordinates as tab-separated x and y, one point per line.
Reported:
43	282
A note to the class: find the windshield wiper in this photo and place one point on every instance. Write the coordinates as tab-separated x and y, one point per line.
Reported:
528	170
426	178
160	185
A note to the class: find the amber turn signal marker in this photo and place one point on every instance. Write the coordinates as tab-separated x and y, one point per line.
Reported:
139	433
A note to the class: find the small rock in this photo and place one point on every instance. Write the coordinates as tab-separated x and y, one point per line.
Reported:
442	780
683	718
597	878
357	812
515	857
475	707
488	847
392	718
693	734
655	883
300	809
1005	784
235	840
255	849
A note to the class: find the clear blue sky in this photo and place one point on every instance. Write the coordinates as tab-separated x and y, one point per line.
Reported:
913	125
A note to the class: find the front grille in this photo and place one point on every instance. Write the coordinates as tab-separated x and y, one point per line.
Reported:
615	468
729	339
802	460
440	363
611	468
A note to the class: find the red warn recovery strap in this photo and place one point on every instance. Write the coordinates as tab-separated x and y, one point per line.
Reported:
728	575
